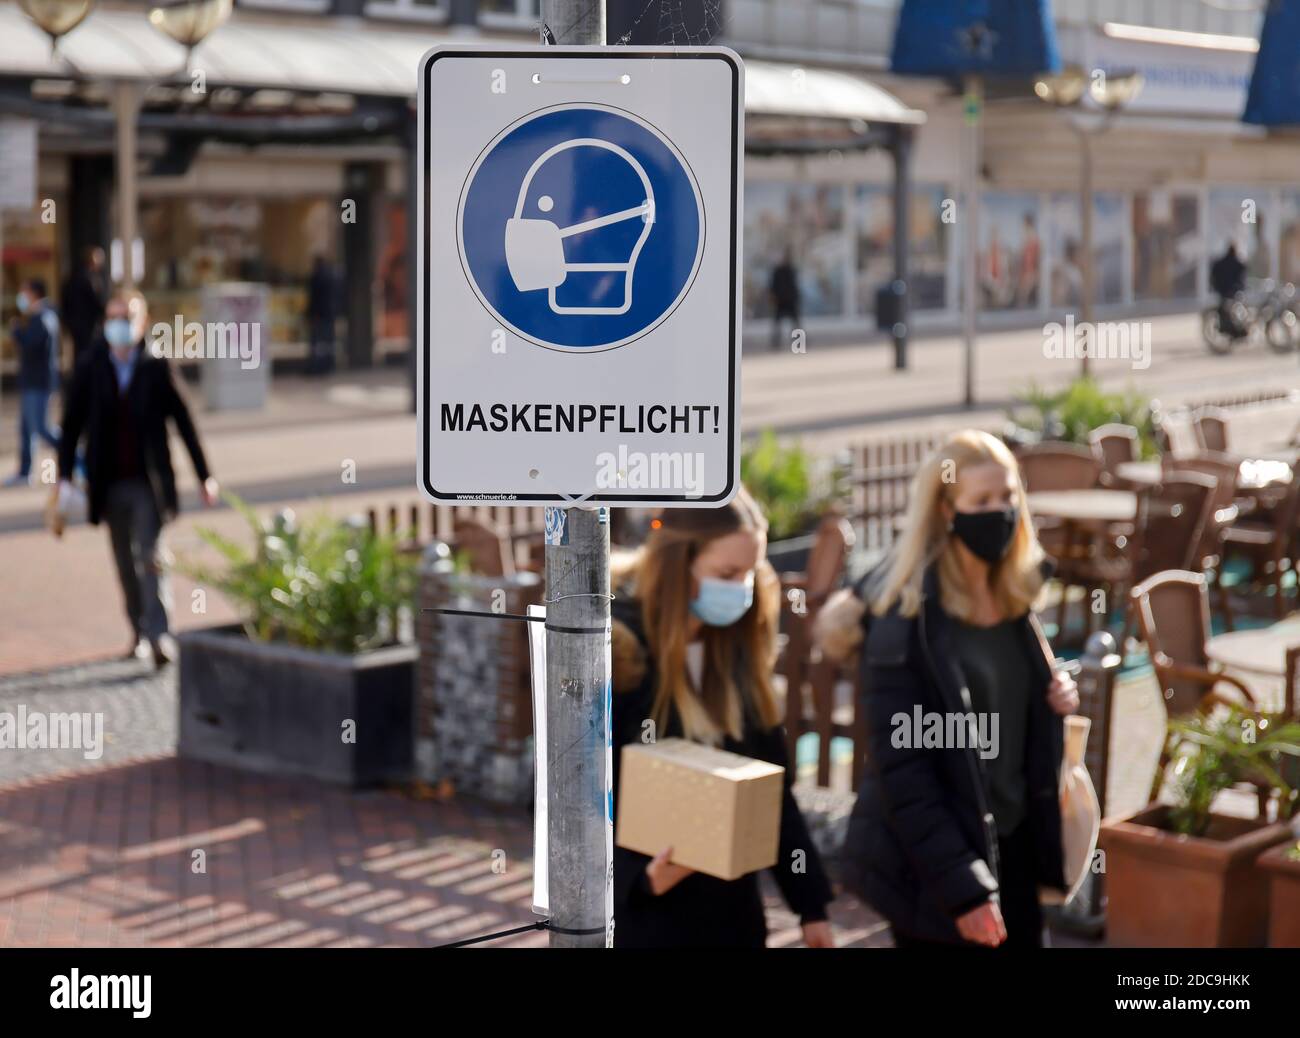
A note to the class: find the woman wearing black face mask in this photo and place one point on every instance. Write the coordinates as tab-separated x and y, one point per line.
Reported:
956	827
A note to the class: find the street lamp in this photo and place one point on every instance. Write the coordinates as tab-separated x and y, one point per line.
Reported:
1073	87
57	17
189	22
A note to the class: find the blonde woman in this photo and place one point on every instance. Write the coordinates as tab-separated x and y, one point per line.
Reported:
693	650
958	825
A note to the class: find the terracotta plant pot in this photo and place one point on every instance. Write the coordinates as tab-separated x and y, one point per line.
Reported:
1171	891
1283	873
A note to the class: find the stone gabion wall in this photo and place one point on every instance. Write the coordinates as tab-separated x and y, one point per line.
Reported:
474	709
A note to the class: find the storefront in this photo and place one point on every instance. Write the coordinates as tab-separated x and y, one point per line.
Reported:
1178	176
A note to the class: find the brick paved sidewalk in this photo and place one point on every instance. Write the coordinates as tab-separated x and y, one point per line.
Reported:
140	848
108	858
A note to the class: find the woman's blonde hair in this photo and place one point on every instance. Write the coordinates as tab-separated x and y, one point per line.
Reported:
926	540
738	660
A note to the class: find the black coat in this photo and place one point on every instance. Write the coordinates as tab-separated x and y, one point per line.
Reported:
922	843
90	410
700	911
35	353
82	304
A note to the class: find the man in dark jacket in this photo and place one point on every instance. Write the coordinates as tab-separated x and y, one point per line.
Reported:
784	291
84	293
120	400
35	333
321	293
1228	279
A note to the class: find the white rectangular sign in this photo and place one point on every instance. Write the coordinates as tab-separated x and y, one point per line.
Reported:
579	251
17	163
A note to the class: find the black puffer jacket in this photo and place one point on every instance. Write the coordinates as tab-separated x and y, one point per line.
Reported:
701	911
922	844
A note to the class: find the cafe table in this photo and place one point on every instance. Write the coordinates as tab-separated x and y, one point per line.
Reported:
1085	506
1259	654
1254	473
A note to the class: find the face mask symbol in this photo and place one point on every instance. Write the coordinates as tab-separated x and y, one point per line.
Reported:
535	248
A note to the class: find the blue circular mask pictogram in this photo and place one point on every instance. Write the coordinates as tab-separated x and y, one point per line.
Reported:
580	227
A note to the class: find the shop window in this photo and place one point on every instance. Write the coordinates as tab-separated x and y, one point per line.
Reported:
927	254
192	242
805	222
1065	256
1010	252
509	11
418	10
1166	245
1242	215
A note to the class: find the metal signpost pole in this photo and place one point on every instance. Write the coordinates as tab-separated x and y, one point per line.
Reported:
972	103
580	869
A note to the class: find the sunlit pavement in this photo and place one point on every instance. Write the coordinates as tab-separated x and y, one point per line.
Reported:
165	852
139	848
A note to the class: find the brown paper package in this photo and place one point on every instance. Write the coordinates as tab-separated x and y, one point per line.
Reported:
720	812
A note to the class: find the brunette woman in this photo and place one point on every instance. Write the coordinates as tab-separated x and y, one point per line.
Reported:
693	655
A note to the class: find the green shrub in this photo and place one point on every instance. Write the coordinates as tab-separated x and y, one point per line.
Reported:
325	584
1073	413
1214	752
783	481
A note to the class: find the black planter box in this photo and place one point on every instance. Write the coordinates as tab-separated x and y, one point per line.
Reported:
279	709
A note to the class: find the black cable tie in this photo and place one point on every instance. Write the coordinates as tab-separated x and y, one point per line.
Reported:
561	629
541	924
481	612
570	932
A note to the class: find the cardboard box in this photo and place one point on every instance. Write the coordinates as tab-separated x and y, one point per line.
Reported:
720	812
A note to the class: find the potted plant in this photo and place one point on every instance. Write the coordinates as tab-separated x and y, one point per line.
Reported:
1182	875
794	493
1071	414
1282	866
317	679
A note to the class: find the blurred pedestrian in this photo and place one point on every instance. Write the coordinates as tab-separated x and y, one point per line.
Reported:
951	837
36	335
120	400
85	291
784	292
693	650
322	295
1228	279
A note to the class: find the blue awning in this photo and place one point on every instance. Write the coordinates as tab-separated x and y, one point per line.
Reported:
988	37
1274	98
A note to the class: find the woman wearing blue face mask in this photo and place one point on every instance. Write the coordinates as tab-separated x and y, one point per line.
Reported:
693	650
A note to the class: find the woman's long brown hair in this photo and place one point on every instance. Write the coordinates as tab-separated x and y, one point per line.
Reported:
738	660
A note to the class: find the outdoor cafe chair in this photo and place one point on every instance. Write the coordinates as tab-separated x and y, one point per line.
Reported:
1059	466
1267	541
1224	511
488	551
1173	613
1167	534
1056	465
1113	445
1211	425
